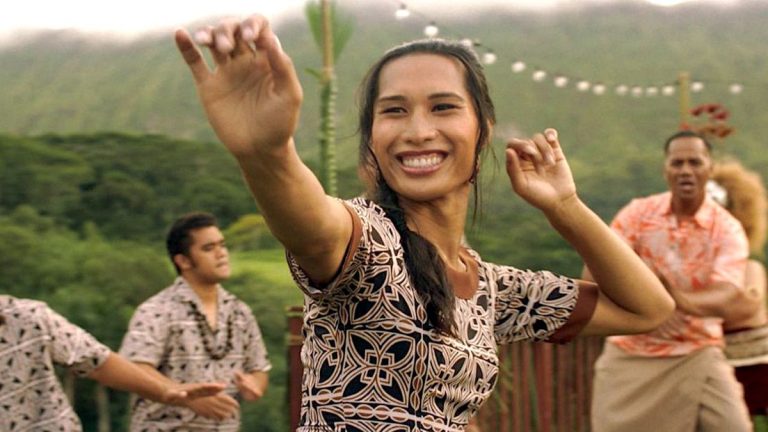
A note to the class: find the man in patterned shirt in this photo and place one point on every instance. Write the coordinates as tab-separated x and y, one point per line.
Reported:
32	339
676	378
195	330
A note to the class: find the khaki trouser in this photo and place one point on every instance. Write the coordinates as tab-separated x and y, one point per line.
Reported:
693	393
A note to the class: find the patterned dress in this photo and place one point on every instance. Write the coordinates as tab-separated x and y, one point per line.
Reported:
166	333
372	362
32	339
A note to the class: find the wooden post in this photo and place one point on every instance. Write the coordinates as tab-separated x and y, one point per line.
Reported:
295	317
544	368
683	82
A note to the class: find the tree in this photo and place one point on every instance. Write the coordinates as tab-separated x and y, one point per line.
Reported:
331	34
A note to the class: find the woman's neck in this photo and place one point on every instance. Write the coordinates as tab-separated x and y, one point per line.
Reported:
441	222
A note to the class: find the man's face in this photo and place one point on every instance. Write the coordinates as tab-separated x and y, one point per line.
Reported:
687	168
208	258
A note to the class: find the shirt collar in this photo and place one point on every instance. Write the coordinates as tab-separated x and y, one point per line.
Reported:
704	216
184	292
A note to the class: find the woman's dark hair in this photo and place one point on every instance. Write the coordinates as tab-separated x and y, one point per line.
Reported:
425	266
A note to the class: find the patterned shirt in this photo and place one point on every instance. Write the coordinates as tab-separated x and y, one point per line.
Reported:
373	362
690	254
32	339
165	332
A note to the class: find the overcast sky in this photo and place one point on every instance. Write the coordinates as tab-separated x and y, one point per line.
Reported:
135	16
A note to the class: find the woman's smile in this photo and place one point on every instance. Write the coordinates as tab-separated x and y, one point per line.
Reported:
421	162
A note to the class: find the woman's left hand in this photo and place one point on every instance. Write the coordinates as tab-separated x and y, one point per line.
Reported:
538	170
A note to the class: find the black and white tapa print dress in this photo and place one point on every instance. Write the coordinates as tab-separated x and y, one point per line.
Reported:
371	360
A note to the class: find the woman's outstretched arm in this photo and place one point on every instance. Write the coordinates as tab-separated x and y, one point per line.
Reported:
632	299
252	97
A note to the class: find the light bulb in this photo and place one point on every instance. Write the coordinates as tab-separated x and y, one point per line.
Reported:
539	75
518	66
697	86
489	58
431	30
598	89
561	81
582	86
402	12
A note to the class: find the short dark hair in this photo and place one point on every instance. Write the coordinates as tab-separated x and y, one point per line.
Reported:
178	239
686	134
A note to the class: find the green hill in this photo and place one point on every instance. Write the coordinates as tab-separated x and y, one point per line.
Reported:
103	143
65	82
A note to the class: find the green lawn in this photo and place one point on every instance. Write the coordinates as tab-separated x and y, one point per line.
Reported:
262	280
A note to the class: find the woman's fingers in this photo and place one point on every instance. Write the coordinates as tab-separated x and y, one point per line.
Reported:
256	29
542	149
526	150
513	165
192	55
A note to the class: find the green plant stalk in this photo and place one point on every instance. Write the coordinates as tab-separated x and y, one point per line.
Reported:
328	136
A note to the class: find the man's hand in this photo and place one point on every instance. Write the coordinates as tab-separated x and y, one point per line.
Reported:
251	385
180	394
218	407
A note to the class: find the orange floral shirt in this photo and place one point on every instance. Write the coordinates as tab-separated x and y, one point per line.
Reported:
691	254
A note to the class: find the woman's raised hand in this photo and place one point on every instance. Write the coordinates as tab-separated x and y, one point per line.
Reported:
538	170
251	95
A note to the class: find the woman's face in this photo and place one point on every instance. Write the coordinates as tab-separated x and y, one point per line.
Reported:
425	128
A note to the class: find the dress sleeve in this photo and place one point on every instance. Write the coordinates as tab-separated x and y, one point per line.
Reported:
256	358
355	257
539	306
147	332
71	346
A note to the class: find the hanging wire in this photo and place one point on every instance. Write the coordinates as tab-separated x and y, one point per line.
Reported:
489	57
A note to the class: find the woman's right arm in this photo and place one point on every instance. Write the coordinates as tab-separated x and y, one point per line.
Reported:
252	99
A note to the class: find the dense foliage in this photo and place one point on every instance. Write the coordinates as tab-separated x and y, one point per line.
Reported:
83	212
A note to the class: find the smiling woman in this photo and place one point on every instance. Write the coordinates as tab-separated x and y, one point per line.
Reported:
401	319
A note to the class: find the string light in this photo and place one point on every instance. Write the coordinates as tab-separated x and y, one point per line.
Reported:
402	12
518	66
598	89
697	86
489	57
583	86
431	30
668	90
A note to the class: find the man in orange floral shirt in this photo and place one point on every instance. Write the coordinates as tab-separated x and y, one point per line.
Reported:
676	378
